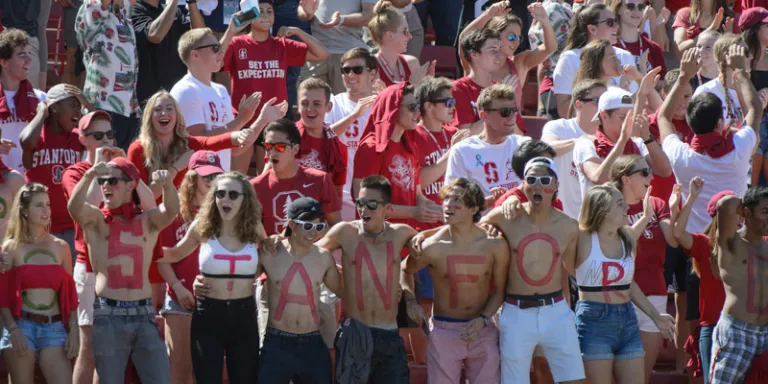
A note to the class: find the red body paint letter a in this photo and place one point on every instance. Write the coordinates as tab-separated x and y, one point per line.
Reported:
116	248
361	254
287	297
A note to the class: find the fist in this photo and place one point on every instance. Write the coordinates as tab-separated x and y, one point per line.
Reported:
160	176
101	169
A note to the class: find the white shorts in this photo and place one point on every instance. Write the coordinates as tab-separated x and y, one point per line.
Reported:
645	322
85	284
550	327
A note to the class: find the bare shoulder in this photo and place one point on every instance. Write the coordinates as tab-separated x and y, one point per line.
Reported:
431	243
412	61
403	230
59	242
497	244
566	223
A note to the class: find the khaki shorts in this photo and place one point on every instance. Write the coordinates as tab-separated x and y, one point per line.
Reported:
85	284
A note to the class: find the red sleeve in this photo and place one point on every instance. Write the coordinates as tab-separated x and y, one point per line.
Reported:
295	52
340	176
211	143
557	204
229	56
328	198
68	182
660	208
681	18
700	249
370	162
512	192
136	156
657	58
464	113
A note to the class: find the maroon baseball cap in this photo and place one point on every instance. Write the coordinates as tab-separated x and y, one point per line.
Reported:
85	121
752	16
712	205
126	166
205	163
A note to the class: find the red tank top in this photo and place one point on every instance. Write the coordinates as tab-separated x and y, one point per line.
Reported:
402	70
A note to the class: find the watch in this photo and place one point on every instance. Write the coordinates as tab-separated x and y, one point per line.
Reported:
651	139
485	320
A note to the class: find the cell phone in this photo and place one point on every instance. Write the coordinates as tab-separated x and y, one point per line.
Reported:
247	16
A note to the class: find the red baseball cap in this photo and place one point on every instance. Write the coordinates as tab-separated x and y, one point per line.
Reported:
126	166
205	163
712	205
85	121
752	16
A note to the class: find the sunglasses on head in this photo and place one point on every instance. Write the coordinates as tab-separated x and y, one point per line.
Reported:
515	37
543	180
109	180
609	22
644	171
214	47
100	135
504	112
448	101
233	195
280	147
308	226
370	204
211	177
357	70
631	7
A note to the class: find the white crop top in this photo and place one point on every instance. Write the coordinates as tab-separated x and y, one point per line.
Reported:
217	261
601	271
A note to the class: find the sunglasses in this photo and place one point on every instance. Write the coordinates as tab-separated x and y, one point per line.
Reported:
644	171
609	22
504	112
209	178
413	107
449	101
543	180
370	204
631	7
214	47
279	147
109	180
357	70
100	135
515	37
307	226
588	100
233	195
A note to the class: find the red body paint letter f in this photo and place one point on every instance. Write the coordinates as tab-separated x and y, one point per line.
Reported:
454	278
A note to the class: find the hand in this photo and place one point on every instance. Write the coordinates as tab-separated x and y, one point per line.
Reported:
201	287
665	42
642	65
626	127
491	230
648	15
538	12
233	29
717	20
288	31
334	22
647	206
736	57
160	176
632	73
108	153
245	137
6	146
674	200
5	262
763	96
184	296
72	345
309	6
248	105
666	324
499	9
728	27
18	341
428	212
416	242
648	84
472	330
689	65
696	186
364	105
415	311
511	207
663	16
100	169
42	109
640	126
422	72
270	244
271	111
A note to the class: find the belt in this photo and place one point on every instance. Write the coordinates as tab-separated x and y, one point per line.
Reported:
534	301
607	288
125	304
277	332
40	319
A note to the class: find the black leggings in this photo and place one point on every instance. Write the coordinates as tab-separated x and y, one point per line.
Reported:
225	327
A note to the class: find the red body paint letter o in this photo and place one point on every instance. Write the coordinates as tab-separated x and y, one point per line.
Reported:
521	252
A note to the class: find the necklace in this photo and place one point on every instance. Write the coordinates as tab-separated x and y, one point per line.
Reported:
373	235
445	137
388	72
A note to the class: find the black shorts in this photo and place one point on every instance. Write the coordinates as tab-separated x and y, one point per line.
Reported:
300	358
692	298
675	268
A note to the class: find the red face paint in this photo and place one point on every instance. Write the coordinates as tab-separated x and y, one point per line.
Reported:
286	297
361	254
755	265
454	278
521	252
549	190
607	281
528	189
115	249
232	260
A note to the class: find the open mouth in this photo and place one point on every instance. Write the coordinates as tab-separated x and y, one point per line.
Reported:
226	209
447	215
365	219
164	121
537	198
107	194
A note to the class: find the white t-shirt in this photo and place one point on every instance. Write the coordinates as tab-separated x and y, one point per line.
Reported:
12	127
569	191
728	172
343	107
585	150
201	104
488	165
568	65
715	86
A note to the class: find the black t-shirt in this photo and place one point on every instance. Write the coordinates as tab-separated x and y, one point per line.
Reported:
160	66
21	14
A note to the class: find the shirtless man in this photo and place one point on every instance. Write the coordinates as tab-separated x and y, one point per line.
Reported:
293	348
123	318
535	312
743	264
368	345
462	260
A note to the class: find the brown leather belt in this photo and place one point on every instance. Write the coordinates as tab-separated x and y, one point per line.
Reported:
525	302
40	319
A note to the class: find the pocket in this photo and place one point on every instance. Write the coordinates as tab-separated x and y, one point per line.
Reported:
590	312
103	336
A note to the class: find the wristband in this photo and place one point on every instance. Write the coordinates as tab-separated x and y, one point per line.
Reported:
651	139
341	20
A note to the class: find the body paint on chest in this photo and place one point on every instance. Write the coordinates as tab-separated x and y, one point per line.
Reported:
361	254
116	279
287	297
527	240
455	278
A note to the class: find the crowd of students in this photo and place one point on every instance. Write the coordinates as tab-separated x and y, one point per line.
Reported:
170	178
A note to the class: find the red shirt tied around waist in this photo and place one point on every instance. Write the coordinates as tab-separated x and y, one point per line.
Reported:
651	249
711	291
30	276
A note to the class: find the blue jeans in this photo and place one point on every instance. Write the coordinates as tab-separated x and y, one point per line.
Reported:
445	14
705	350
126	329
286	15
39	336
608	331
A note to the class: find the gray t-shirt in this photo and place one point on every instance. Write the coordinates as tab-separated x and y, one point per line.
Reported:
340	39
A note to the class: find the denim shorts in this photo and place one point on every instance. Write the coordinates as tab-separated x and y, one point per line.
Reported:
608	331
39	336
172	307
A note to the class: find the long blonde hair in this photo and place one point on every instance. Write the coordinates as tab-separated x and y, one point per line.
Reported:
597	203
187	193
18	223
157	157
248	219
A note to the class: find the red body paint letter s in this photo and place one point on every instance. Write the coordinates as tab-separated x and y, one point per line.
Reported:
116	248
361	254
454	278
287	297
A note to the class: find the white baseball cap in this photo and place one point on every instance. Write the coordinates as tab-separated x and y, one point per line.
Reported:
613	98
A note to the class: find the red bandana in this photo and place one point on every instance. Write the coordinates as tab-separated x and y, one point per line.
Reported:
713	144
604	145
127	210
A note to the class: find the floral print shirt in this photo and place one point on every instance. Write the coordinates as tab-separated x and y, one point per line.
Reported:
560	16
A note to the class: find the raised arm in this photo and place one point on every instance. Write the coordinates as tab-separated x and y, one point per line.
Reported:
159	28
330	241
599	172
164	215
729	211
30	135
682	236
689	66
315	49
82	212
534	57
754	110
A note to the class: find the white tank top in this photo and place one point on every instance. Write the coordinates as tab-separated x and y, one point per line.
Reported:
601	271
217	261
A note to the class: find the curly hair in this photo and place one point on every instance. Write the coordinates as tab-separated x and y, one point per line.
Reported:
187	192
11	39
247	220
157	157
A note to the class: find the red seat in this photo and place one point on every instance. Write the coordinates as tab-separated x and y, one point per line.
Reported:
447	61
534	125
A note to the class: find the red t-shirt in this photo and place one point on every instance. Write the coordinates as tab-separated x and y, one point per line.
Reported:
399	166
53	154
676	5
661	187
711	291
651	248
655	56
682	20
72	175
557	204
261	66
433	145
740	5
275	195
318	156
466	92
187	268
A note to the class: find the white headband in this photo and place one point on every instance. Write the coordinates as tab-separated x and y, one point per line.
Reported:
541	160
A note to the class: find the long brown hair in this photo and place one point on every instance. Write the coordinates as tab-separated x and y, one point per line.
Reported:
187	193
597	203
622	167
586	16
247	220
157	157
697	9
711	232
18	222
591	61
